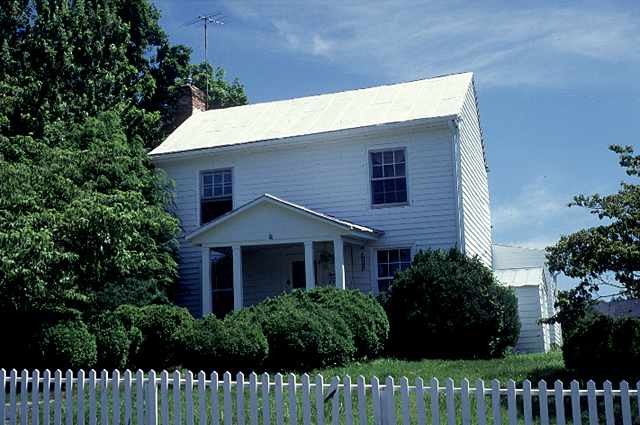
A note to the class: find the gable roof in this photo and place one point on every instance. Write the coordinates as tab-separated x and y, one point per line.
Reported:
515	257
438	97
359	230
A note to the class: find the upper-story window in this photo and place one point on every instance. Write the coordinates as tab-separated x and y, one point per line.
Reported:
216	190
388	177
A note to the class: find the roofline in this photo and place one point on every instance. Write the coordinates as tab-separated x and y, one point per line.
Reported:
363	231
189	153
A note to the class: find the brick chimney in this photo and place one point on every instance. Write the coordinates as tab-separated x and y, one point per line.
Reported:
190	100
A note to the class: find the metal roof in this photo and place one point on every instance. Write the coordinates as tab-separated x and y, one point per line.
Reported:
438	97
513	257
521	277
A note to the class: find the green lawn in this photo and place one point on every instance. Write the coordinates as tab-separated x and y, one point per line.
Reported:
534	367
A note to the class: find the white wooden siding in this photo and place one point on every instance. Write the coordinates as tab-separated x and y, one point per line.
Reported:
474	181
331	177
532	335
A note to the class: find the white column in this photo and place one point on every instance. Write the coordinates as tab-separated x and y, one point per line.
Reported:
206	281
309	272
237	277
338	258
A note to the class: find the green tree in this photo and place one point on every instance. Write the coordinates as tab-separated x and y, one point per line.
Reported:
607	254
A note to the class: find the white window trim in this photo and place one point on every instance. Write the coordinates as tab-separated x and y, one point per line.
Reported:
406	176
373	254
199	189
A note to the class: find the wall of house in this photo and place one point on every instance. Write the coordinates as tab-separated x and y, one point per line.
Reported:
330	176
533	338
476	215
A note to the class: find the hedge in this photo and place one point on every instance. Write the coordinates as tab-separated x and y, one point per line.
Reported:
68	345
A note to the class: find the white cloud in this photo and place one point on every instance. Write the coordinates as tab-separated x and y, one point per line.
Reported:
542	45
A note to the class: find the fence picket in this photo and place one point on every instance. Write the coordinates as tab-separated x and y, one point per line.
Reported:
306	400
451	402
638	396
495	403
57	398
13	404
362	400
511	403
3	382
80	392
188	397
164	397
24	397
202	397
420	407
115	394
375	400
35	398
93	415
177	399
320	399
592	403
559	402
435	401
68	395
465	403
335	400
278	397
293	400
215	403
389	402
152	398
140	397
608	403
126	383
480	403
624	403
239	398
104	401
266	411
227	409
575	403
404	401
526	402
253	398
543	400
46	386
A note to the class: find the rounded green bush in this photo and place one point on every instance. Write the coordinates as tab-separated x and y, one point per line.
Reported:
364	315
448	305
112	341
301	336
68	345
222	345
158	334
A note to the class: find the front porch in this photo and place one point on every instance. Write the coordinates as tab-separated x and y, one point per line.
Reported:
270	246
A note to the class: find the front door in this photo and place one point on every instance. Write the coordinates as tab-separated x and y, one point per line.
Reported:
221	281
298	275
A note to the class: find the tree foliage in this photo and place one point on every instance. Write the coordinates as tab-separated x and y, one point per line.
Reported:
86	86
607	254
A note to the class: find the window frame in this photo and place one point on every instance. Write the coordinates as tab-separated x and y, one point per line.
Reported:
199	198
406	176
376	275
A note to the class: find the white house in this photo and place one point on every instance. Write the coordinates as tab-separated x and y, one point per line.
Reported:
337	189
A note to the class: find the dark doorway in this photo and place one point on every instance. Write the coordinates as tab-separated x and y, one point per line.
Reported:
298	275
222	281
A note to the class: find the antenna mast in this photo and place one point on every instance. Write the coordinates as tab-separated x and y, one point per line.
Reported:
211	18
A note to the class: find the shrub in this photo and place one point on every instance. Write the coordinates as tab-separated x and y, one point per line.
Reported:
225	345
162	331
363	314
605	346
68	345
451	306
113	341
301	336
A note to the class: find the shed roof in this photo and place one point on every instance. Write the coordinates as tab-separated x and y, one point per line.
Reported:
531	276
437	97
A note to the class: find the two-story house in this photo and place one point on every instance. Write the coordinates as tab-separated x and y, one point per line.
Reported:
337	189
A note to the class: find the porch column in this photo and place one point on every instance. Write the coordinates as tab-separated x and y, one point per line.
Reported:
309	272
338	257
206	281
237	277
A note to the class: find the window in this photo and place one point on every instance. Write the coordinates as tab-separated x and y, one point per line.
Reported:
391	261
216	189
221	281
388	177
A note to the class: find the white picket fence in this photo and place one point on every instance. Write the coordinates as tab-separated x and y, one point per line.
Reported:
127	398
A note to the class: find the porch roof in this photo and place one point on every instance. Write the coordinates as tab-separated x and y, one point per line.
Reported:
285	217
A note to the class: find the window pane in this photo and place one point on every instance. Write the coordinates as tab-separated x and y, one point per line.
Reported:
211	209
383	285
389	185
377	172
394	256
378	198
399	156
227	190
383	270
390	198
401	196
400	170
227	177
388	171
207	179
405	255
388	157
207	192
393	268
376	158
217	190
401	185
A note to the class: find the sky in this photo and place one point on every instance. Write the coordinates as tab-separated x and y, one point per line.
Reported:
557	81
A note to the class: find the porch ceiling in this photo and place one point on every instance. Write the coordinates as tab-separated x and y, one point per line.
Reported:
271	220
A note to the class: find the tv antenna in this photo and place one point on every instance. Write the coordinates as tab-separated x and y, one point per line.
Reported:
206	20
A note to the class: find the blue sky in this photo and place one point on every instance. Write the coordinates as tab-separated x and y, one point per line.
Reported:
557	81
